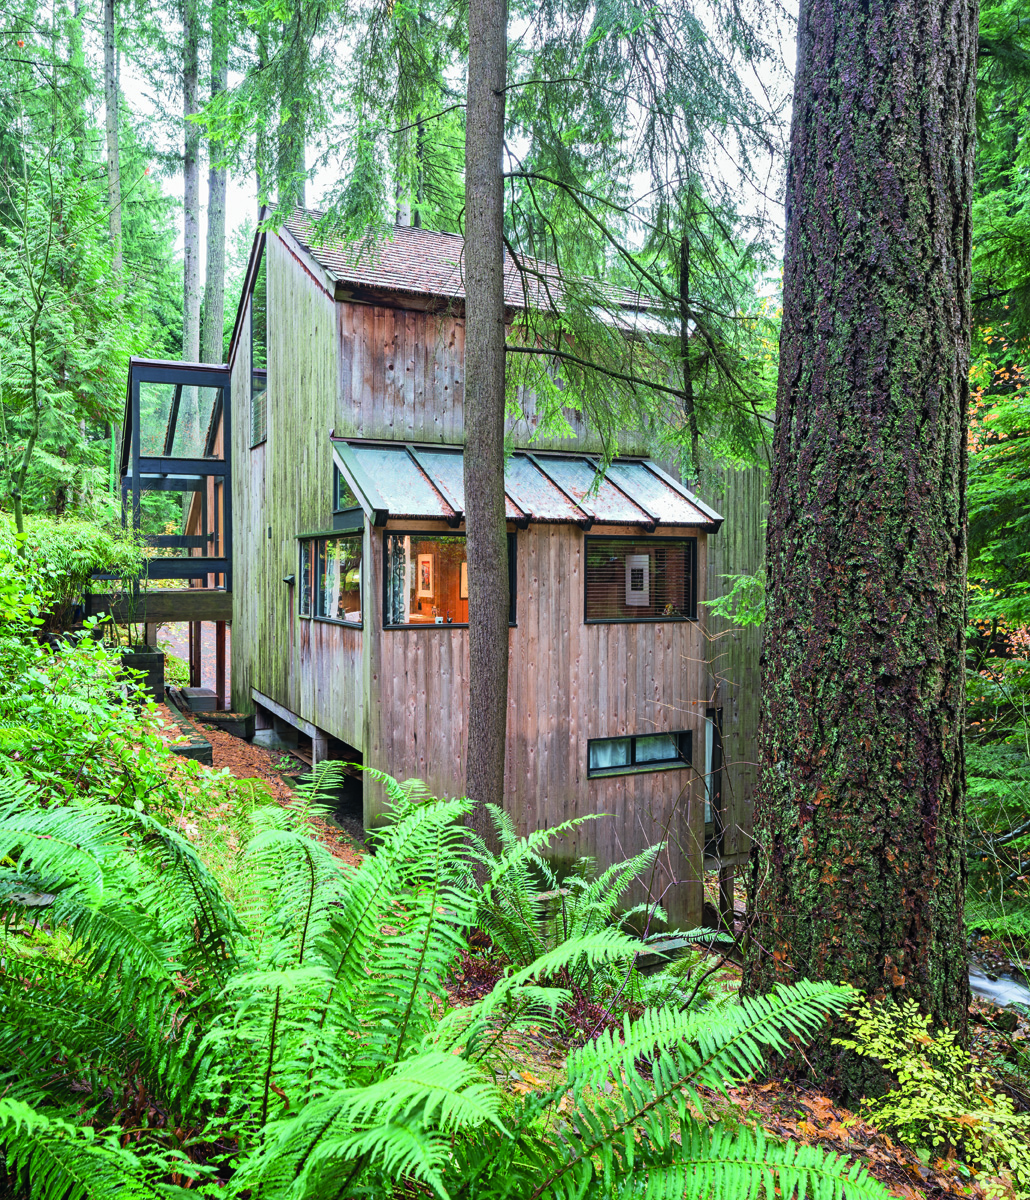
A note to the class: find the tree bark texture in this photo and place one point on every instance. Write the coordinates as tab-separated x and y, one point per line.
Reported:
293	125
858	870
487	542
191	184
114	185
211	348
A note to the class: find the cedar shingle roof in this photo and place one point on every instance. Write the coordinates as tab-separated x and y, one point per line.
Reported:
426	263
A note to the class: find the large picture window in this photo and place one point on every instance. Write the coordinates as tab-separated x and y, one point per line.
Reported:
426	579
640	579
259	356
330	579
648	752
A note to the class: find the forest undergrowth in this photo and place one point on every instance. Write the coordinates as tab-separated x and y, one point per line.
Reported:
197	996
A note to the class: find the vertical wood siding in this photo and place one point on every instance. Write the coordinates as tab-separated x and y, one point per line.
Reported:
401	376
739	549
313	668
568	682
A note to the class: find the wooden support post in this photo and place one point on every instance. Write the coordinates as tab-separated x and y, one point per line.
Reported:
220	665
150	634
726	879
195	654
319	746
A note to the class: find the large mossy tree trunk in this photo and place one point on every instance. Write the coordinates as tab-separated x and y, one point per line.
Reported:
487	542
858	870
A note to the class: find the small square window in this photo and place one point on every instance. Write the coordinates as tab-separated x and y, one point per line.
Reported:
330	579
611	752
640	579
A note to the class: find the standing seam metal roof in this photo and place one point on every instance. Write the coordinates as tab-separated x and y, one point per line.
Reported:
427	482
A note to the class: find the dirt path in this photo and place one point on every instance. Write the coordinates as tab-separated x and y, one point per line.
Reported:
247	761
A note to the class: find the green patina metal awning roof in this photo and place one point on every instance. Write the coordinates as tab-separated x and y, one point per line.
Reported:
397	479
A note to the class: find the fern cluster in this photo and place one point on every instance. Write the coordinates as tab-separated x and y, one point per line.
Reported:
297	1041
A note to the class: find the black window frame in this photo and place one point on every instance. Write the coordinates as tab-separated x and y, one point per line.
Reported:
256	372
685	741
316	588
690	540
448	533
714	829
305	546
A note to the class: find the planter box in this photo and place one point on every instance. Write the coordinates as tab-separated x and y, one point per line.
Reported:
240	725
152	663
199	700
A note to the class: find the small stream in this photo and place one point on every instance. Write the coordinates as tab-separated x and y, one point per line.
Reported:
1003	990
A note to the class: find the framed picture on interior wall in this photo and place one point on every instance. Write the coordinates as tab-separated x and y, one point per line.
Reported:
464	592
424	590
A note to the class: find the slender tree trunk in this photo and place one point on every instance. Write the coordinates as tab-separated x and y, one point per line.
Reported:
114	184
189	410
487	543
292	130
688	380
191	184
858	872
214	280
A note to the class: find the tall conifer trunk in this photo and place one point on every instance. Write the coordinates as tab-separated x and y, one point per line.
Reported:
114	186
189	411
214	275
858	872
487	542
191	184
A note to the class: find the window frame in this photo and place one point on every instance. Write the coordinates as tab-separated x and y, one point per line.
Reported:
307	547
429	534
260	266
685	741
691	547
316	590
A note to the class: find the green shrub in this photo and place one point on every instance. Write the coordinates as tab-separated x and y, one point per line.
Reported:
942	1099
60	557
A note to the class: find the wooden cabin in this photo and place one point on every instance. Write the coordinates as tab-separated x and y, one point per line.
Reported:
349	583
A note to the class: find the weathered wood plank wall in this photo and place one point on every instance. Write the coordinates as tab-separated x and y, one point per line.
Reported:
402	377
738	549
568	682
284	488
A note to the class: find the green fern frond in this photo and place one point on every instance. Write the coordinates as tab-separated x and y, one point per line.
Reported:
711	1047
61	1161
745	1164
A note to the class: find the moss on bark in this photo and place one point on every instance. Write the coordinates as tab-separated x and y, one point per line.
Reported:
858	872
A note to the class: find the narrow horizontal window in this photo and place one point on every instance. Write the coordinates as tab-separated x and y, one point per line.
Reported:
426	579
640	579
330	579
648	752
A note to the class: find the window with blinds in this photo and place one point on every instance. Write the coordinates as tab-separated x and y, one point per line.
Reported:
640	579
259	357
